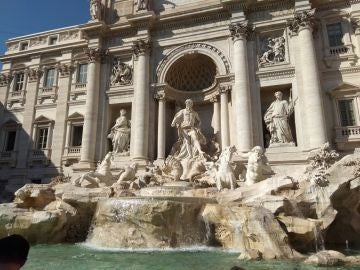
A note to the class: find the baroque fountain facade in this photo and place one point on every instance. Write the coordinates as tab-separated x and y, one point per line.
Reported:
182	123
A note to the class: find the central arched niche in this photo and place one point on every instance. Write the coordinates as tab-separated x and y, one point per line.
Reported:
192	72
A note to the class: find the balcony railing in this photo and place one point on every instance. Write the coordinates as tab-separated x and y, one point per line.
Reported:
40	156
347	134
17	94
48	90
80	85
73	151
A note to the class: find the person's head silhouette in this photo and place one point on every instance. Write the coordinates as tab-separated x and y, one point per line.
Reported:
14	250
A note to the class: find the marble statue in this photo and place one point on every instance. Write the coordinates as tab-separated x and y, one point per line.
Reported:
121	74
128	173
172	168
95	9
187	150
222	170
257	164
277	120
142	5
120	134
188	122
275	52
99	178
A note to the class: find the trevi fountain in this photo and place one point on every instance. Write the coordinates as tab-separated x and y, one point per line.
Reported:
252	180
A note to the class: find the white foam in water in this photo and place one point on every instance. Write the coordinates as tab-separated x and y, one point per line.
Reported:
147	250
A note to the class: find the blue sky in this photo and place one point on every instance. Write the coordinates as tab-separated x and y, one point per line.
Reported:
22	17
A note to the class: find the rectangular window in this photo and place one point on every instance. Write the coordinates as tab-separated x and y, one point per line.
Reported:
24	46
19	81
347	115
82	73
53	40
49	77
10	140
77	132
335	34
42	138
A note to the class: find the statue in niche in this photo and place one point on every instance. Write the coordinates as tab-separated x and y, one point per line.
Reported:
120	134
95	9
188	122
257	164
277	120
275	52
121	73
142	5
100	178
187	149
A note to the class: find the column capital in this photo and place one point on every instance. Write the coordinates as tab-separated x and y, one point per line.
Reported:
5	78
160	96
34	73
215	98
141	46
224	89
356	25
302	20
65	69
96	54
241	30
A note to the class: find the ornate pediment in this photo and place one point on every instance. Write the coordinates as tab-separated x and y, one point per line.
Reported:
42	119
75	116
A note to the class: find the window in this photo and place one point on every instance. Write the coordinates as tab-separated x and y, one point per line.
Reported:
53	40
35	181
49	77
10	140
76	136
335	34
82	73
19	81
42	138
24	46
347	117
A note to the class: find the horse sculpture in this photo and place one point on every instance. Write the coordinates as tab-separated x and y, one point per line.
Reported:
222	170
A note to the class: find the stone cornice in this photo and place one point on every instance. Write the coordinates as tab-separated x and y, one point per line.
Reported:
276	74
348	70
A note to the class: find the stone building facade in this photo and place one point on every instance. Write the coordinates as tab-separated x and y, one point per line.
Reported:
61	91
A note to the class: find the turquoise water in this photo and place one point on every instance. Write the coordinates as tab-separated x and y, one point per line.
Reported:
67	257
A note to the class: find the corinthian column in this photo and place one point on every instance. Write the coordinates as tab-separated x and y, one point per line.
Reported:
161	126
217	119
140	107
302	25
95	56
225	135
241	92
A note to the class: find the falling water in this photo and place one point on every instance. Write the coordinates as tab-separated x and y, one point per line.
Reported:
318	239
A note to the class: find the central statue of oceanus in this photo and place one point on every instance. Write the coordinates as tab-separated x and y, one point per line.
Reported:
187	149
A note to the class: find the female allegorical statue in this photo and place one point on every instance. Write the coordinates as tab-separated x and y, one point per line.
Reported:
277	120
120	134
